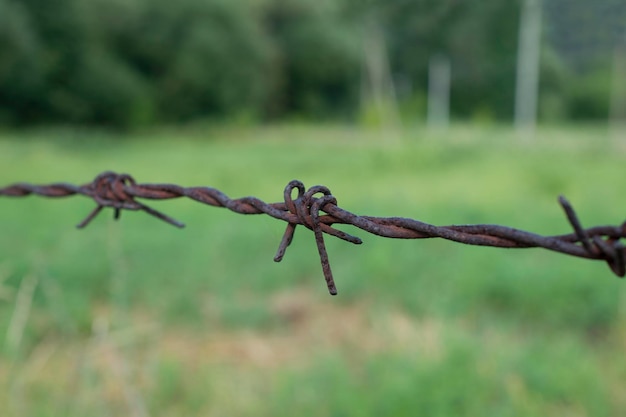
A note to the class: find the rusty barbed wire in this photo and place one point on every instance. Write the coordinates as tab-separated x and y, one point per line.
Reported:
120	191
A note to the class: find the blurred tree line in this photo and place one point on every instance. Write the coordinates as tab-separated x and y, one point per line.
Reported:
128	63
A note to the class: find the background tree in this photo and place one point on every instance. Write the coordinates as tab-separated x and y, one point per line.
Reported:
128	63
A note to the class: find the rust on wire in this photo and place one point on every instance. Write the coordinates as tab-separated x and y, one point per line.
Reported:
316	209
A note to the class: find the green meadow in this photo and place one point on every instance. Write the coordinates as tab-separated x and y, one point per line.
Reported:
137	318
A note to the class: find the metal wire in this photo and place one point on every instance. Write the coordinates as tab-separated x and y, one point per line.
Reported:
120	191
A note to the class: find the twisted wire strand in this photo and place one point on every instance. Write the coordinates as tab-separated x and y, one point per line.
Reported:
120	191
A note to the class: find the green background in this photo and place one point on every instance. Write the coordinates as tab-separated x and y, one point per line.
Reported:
139	318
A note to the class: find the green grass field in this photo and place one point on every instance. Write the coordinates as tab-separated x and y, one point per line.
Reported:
137	318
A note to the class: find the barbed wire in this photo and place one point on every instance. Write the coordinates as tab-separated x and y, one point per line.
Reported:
120	191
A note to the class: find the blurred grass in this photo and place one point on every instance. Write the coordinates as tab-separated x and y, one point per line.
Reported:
139	318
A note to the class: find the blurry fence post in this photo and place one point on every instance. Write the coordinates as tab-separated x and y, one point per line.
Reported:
377	87
617	116
439	92
527	82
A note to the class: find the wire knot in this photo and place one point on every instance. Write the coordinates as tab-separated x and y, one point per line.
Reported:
614	252
110	189
611	249
306	207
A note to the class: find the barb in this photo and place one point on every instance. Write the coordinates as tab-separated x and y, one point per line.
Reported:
120	191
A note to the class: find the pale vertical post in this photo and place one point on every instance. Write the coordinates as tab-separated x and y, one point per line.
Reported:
527	83
617	115
438	92
378	87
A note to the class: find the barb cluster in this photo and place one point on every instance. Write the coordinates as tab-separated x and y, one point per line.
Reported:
317	210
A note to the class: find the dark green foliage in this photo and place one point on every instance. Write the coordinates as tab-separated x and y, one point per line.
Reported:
128	63
200	57
318	58
21	72
590	96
